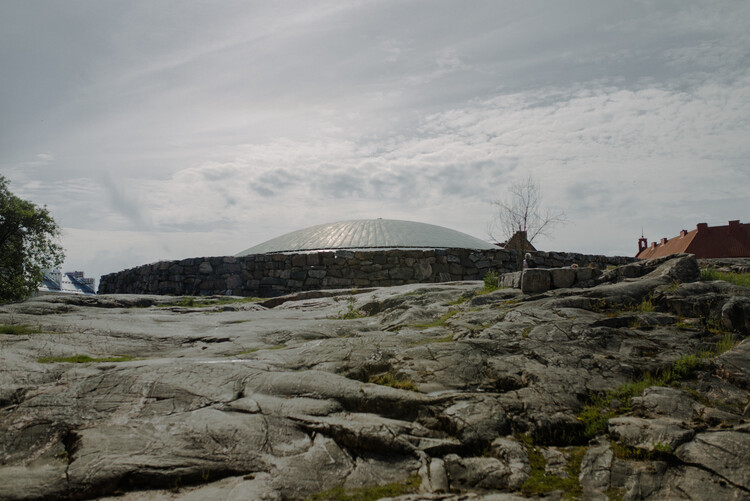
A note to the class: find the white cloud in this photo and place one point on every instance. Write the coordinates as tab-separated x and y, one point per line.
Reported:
229	124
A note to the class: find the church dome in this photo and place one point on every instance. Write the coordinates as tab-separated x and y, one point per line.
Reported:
369	234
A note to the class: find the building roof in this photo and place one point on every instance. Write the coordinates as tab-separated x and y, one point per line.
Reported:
732	240
518	242
369	234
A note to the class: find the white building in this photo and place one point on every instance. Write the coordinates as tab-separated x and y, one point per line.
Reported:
70	282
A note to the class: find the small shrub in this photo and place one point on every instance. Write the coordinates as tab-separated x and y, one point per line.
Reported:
351	311
490	281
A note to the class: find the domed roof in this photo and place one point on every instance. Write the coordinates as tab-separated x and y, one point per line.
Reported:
369	234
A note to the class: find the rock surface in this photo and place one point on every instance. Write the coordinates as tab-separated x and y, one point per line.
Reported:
475	395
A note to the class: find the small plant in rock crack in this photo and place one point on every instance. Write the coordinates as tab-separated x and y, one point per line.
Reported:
351	311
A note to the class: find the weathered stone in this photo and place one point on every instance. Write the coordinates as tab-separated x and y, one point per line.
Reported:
511	279
725	453
562	278
281	400
535	280
649	434
596	468
476	473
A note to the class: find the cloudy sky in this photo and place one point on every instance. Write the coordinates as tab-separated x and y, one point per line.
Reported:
180	128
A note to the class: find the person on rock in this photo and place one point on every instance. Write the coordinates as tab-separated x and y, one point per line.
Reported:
528	262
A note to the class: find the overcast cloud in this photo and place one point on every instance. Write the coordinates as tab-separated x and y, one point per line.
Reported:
172	129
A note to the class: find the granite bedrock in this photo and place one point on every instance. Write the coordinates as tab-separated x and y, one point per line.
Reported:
269	275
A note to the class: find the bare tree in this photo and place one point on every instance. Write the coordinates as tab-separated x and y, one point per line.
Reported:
522	211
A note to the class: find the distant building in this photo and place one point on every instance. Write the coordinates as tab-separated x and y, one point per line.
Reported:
368	234
70	282
518	242
732	240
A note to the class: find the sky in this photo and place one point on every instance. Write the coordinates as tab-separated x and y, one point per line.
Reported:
169	129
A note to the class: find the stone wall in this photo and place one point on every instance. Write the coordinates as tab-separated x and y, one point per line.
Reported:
268	275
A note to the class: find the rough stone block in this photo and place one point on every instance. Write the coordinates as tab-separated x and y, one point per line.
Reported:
234	282
511	279
401	273
584	274
316	273
422	270
562	278
535	280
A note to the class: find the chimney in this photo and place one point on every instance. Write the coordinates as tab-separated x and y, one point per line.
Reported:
653	245
702	226
663	241
734	226
683	233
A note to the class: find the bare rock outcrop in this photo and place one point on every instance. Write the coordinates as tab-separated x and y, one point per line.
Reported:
637	387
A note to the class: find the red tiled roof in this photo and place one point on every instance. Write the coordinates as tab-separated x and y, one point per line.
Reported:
732	240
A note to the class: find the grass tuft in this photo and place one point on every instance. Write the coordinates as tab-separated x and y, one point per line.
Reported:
540	482
742	279
351	311
17	329
600	409
437	323
389	379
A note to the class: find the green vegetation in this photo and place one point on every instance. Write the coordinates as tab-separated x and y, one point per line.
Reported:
742	279
389	379
28	245
645	306
371	493
191	302
437	323
601	409
628	453
490	281
351	311
84	359
713	324
540	481
63	456
460	300
17	329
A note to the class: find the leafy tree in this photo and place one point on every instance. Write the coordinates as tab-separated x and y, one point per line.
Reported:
28	245
522	211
